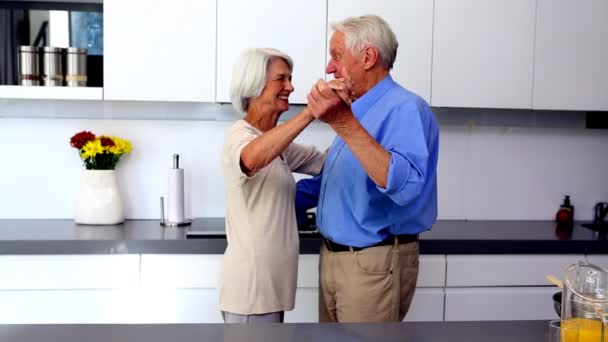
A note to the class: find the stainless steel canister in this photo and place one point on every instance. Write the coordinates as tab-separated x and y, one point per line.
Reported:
29	65
52	66
76	67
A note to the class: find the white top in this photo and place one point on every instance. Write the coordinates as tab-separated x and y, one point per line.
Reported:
260	264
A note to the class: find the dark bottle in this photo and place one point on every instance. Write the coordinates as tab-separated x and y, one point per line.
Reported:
565	214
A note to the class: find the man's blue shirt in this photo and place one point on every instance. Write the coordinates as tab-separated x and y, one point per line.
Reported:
352	209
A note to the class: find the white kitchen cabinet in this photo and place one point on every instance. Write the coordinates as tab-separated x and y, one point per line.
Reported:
506	270
167	279
161	51
483	53
129	306
571	57
427	305
499	303
502	287
307	306
54	272
308	271
412	23
298	28
68	307
164	306
431	270
180	270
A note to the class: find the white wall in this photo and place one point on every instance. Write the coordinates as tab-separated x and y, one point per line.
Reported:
484	172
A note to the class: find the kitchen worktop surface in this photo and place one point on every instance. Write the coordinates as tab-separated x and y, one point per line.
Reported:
206	236
501	331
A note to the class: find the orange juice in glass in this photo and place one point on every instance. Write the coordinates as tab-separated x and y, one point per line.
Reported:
562	331
589	330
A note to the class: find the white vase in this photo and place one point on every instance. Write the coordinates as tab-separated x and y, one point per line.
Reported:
99	200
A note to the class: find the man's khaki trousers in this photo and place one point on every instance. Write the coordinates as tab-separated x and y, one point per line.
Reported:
372	285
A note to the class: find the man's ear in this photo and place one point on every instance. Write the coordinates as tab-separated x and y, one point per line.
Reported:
370	57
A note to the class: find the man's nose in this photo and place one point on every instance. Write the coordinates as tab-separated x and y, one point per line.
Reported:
331	67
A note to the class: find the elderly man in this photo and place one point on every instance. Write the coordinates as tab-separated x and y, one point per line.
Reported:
378	187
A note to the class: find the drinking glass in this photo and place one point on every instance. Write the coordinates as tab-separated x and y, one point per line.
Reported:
563	331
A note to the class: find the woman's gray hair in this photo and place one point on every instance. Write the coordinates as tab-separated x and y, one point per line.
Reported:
369	30
250	73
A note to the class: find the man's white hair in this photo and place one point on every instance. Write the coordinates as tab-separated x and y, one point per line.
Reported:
250	74
369	30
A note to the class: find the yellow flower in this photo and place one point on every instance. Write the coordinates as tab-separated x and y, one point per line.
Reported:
120	146
91	149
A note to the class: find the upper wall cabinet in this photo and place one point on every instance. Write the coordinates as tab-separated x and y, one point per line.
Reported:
159	51
412	22
294	27
571	61
483	53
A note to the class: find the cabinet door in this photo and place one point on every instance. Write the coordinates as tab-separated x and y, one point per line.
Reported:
103	306
427	306
483	53
161	51
506	270
180	271
298	28
571	60
412	23
499	303
61	272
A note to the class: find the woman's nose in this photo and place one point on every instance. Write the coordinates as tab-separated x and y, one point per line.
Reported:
289	86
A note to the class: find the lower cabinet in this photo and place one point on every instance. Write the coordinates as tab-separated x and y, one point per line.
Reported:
171	288
503	287
37	289
499	303
167	280
427	305
179	306
68	306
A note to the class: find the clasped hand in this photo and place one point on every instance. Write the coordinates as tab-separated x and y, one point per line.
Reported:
330	102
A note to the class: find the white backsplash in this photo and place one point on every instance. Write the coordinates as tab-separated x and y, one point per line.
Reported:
484	172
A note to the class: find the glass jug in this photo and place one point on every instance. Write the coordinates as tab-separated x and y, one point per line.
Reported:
585	301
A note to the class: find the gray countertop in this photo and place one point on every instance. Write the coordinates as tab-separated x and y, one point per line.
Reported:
206	236
501	331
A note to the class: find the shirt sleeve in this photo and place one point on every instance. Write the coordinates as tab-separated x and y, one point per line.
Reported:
404	138
307	196
236	139
304	159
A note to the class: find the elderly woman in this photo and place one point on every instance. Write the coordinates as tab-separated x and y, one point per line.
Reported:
258	280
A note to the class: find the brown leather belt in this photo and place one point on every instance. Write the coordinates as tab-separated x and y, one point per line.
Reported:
401	239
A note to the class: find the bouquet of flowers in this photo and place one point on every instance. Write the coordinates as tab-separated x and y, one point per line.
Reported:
99	152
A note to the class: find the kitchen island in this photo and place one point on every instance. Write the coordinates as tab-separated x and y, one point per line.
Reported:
54	271
510	331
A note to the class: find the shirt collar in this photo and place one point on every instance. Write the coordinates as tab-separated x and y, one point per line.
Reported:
365	102
255	130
